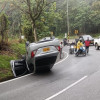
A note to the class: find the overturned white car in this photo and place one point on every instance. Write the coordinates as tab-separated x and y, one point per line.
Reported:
39	56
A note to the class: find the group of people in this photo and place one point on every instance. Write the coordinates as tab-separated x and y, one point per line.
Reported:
80	45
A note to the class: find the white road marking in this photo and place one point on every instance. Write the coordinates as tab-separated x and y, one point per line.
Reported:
15	79
63	59
70	86
32	73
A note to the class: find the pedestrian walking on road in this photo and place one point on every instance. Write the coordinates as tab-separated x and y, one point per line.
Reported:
61	46
87	44
65	41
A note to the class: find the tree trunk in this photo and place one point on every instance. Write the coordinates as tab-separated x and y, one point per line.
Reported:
34	31
20	32
7	36
2	40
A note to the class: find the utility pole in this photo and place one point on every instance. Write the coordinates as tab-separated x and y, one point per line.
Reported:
67	21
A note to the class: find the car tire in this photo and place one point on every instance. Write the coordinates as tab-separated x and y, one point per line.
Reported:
85	53
96	46
70	52
76	54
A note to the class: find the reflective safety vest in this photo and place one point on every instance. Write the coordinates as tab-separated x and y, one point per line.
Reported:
79	44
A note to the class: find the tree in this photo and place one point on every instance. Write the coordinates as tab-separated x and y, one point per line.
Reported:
3	26
33	9
53	18
95	16
3	5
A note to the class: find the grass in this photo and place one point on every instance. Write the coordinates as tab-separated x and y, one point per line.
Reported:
16	50
19	48
5	61
5	69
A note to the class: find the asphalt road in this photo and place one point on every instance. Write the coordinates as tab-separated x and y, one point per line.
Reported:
74	78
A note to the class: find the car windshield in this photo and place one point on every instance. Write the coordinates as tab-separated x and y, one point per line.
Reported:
87	36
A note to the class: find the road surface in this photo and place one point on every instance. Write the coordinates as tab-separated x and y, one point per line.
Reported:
74	78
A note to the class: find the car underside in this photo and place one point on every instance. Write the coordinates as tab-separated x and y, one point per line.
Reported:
39	56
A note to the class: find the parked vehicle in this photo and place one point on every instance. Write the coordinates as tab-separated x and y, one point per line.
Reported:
39	56
72	48
84	38
81	51
97	43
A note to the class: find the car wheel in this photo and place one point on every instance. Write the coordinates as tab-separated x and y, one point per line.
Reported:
96	46
76	54
85	53
70	52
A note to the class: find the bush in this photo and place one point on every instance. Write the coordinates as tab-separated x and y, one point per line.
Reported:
27	31
4	46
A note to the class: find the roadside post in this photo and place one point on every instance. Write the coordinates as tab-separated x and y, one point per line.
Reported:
65	35
76	32
22	37
68	37
51	34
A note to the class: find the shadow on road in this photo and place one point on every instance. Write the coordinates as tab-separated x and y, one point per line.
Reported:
44	72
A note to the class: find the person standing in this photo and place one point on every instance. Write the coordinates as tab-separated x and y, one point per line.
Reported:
61	46
65	41
87	44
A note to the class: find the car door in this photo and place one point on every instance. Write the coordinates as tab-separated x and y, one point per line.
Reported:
19	67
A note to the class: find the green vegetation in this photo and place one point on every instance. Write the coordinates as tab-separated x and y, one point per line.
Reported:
3	26
45	16
95	35
4	61
16	50
19	48
5	69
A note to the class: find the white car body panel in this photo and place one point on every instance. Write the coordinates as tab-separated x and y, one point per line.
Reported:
97	41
